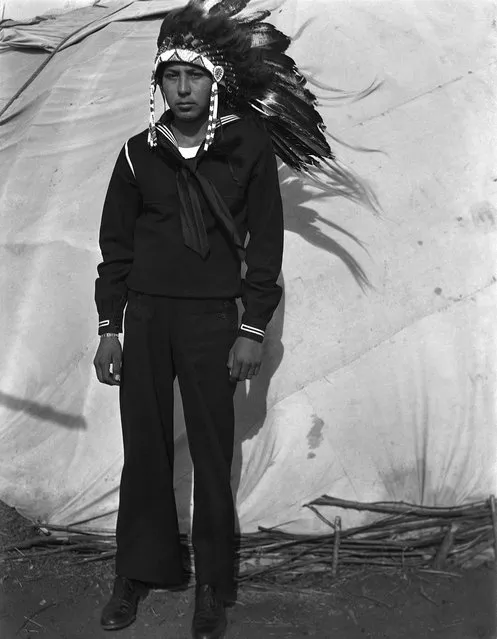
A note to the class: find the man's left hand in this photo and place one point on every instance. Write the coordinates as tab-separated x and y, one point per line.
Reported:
244	360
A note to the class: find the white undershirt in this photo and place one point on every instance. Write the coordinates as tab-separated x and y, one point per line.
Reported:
188	151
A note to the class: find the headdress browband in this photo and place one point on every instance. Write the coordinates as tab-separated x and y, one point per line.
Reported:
191	57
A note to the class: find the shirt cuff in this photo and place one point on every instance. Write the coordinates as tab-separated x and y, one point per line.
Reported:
251	332
109	326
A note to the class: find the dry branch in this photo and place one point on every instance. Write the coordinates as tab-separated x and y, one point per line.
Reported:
399	507
405	537
443	551
494	521
320	516
336	546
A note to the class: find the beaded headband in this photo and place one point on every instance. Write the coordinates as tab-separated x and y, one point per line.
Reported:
188	56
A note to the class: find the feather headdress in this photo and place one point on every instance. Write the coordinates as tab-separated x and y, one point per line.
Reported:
246	56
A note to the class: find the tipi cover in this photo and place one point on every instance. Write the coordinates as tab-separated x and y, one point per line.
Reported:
383	392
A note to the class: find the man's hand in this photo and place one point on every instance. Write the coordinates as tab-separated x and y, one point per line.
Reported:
109	353
244	360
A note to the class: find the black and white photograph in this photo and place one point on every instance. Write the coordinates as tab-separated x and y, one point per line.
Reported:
248	301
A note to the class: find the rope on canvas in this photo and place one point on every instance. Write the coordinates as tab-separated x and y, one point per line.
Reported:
37	72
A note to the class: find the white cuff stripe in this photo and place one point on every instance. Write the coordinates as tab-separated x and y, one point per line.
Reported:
251	329
129	160
104	323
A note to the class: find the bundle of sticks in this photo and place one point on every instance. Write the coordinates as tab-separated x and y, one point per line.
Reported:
409	536
399	535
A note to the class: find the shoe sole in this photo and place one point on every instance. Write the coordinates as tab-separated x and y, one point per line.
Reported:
110	627
118	626
222	632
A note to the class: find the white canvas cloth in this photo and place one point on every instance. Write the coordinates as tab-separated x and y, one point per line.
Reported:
383	394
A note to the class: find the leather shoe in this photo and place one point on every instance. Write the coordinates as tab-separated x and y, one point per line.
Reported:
209	618
121	609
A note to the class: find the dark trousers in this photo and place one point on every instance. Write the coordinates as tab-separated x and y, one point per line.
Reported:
164	338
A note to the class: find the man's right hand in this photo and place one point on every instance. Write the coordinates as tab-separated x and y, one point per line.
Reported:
109	353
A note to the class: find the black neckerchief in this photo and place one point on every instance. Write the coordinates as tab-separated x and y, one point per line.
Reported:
193	189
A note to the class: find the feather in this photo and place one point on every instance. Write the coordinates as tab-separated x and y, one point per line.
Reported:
228	8
265	35
302	29
306	157
205	5
352	96
261	76
354	147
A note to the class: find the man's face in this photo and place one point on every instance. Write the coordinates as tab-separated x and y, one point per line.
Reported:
187	89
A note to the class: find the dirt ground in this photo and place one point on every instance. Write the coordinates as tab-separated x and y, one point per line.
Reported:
56	598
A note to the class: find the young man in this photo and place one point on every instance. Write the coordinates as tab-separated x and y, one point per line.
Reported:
181	201
173	228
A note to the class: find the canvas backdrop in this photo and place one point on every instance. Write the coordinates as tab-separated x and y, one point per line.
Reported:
378	393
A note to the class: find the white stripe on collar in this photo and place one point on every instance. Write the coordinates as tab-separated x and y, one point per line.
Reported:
165	131
130	164
225	119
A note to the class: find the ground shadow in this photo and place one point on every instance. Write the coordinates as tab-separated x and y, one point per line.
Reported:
44	412
251	399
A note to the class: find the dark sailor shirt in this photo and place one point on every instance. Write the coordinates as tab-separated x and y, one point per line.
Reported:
141	236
